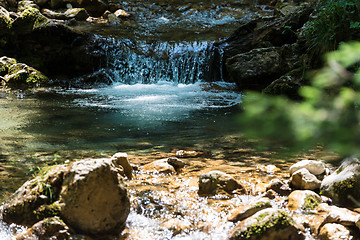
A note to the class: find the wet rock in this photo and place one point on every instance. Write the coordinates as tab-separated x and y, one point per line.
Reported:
79	14
35	199
343	185
122	14
314	167
287	84
95	8
303	199
29	19
216	182
121	160
93	198
49	228
267	224
247	211
159	166
21	76
333	231
303	179
253	69
57	50
279	187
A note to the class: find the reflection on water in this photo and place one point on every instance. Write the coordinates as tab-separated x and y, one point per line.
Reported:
96	122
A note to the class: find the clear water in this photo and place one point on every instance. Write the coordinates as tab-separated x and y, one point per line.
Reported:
159	100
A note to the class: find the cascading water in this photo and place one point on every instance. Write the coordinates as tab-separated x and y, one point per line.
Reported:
139	62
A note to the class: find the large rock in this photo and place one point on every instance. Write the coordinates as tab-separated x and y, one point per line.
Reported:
314	167
93	198
257	68
303	200
343	185
304	180
267	224
29	19
21	76
216	182
95	8
56	50
49	228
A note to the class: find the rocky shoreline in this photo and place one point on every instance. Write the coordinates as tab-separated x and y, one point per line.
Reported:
88	198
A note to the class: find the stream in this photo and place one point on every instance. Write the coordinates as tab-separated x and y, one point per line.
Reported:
161	100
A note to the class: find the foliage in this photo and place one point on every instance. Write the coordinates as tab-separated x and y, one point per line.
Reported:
336	21
328	115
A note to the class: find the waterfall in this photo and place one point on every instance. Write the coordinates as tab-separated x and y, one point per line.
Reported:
132	62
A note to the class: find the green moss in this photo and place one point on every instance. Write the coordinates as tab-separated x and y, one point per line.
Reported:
310	203
45	211
344	186
279	221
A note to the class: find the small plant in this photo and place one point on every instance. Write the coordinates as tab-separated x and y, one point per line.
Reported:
40	182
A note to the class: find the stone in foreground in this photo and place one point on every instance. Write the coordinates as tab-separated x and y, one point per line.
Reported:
93	199
268	224
216	182
343	186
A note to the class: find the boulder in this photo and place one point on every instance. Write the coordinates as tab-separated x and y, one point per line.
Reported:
267	224
333	231
305	200
259	67
247	211
35	199
343	185
216	182
93	198
21	76
314	167
120	160
29	19
304	180
49	228
57	50
176	163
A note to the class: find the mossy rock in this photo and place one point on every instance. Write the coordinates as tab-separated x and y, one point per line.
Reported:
21	76
28	20
5	63
265	225
5	25
343	186
35	198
